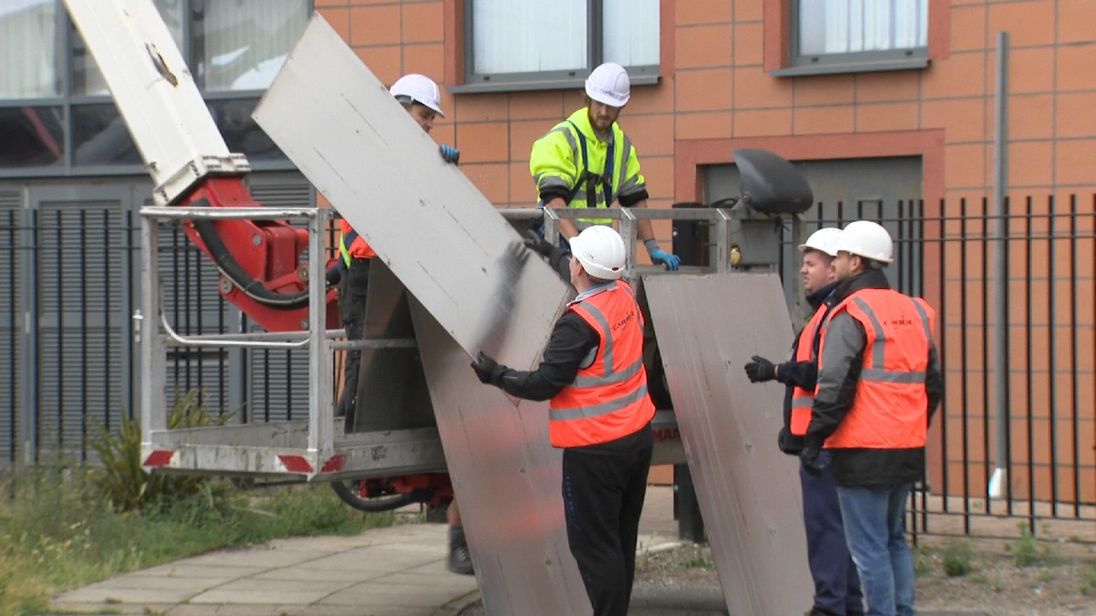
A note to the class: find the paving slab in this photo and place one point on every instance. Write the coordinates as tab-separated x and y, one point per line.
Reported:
394	570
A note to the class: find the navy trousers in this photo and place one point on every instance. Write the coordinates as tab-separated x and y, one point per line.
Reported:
836	584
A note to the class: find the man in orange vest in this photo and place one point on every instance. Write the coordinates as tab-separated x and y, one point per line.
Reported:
421	97
600	415
836	585
878	386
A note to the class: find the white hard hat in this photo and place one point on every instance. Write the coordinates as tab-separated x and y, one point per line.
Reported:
866	239
600	250
609	84
823	240
420	89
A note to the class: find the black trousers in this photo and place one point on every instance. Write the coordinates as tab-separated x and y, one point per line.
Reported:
353	289
603	494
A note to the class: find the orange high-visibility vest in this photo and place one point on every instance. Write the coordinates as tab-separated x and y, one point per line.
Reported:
608	399
890	410
352	245
803	399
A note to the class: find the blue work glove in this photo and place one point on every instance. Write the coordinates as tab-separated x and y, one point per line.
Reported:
449	154
672	262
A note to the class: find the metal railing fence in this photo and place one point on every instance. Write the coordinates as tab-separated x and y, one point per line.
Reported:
70	289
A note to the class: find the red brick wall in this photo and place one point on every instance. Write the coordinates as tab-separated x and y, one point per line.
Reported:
716	93
716	85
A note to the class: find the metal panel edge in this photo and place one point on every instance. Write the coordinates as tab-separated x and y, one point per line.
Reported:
708	326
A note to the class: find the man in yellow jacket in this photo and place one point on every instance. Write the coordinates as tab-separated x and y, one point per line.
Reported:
587	161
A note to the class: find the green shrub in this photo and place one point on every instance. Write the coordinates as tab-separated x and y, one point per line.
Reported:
957	557
125	483
1026	550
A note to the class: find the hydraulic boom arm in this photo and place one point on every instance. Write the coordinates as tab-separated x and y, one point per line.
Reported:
184	153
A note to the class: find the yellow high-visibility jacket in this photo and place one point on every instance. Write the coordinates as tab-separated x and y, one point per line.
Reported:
563	167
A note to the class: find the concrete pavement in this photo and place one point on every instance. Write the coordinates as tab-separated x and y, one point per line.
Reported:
395	570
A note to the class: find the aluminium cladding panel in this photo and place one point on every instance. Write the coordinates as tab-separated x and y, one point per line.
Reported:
708	327
507	480
424	218
450	249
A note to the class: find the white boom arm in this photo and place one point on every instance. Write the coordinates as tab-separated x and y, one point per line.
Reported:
155	93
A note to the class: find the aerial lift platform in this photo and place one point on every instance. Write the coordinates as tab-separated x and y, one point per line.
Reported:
446	287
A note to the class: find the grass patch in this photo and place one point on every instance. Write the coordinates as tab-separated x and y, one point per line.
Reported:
1088	580
957	557
58	531
698	559
1027	552
922	561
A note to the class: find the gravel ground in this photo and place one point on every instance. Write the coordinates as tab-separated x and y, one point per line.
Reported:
1060	581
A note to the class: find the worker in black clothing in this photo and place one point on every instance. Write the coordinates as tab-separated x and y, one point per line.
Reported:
600	414
836	584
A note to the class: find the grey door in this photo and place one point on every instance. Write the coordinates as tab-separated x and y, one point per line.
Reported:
78	297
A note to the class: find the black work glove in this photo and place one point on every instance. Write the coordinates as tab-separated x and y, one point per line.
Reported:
809	457
760	370
537	243
487	369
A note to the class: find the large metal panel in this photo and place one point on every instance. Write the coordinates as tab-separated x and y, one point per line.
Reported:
453	252
708	327
426	221
507	481
392	391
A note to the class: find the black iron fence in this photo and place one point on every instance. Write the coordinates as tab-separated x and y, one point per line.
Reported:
71	289
1034	367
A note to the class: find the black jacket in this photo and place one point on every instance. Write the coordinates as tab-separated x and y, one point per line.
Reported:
800	374
837	390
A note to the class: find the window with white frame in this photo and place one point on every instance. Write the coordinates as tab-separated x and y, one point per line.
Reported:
852	32
526	44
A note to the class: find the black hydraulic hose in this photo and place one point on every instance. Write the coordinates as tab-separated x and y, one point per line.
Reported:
230	267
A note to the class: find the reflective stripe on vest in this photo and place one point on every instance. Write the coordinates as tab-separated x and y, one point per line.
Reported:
593	181
890	409
608	399
590	186
805	350
352	245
